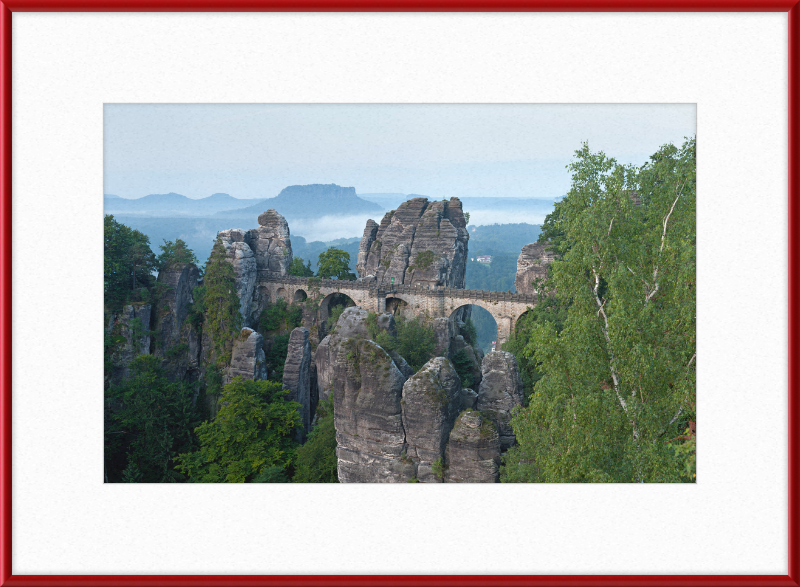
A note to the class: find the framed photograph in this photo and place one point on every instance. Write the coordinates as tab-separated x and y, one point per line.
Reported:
276	110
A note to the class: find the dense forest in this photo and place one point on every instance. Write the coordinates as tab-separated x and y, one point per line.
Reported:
607	356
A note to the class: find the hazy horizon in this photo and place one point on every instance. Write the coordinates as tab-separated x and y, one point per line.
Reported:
253	151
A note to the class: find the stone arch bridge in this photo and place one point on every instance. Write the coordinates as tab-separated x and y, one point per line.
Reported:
505	307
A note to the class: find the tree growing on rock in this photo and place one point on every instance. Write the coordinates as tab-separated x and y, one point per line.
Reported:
617	382
175	252
222	319
334	264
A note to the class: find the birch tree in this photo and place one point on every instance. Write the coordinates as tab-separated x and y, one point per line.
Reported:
618	384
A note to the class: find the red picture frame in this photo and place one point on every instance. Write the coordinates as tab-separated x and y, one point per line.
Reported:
7	7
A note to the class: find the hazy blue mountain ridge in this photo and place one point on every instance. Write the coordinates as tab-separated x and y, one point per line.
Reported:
173	204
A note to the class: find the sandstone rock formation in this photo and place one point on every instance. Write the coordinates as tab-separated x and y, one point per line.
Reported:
419	243
134	324
174	304
369	426
271	243
499	392
445	329
352	324
244	265
431	402
370	233
393	425
469	397
297	377
248	359
532	265
473	451
266	249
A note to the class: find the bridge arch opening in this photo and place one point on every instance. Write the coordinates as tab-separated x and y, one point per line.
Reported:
331	308
299	296
485	326
280	294
396	306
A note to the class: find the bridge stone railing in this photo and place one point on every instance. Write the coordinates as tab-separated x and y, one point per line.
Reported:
266	275
447	292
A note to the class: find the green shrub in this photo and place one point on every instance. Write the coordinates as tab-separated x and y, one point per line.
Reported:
438	467
316	459
423	260
470	332
463	366
415	342
280	316
177	351
276	357
336	312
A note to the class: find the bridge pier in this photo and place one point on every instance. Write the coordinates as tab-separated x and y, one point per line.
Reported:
503	331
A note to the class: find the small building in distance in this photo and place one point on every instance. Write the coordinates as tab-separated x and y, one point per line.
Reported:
484	258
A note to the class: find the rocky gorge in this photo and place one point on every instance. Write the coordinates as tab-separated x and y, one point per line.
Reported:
392	423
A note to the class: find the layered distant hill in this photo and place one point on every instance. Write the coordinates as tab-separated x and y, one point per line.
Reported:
173	204
311	200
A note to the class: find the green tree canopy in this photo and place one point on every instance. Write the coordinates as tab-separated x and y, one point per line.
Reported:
128	262
334	263
617	382
251	432
298	269
175	252
152	424
221	302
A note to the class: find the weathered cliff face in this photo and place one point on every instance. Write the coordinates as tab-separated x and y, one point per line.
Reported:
431	403
247	359
267	248
368	418
297	377
473	451
244	264
352	324
370	233
419	243
532	265
133	323
499	392
173	307
367	386
271	243
393	425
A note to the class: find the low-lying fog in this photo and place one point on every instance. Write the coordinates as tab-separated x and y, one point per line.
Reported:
328	228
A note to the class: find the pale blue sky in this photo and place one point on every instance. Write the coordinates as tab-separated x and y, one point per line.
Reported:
255	150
